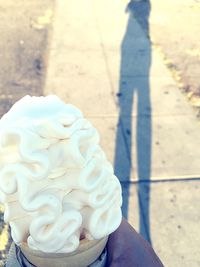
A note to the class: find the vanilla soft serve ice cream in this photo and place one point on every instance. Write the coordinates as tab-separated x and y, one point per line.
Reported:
55	181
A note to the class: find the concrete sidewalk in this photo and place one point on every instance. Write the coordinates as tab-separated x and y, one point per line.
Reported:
102	61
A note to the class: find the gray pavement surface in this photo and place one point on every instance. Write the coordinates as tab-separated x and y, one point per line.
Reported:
174	220
102	56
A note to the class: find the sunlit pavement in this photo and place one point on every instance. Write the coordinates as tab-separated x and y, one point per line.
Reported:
100	59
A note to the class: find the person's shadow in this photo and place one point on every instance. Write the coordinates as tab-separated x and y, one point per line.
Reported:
134	86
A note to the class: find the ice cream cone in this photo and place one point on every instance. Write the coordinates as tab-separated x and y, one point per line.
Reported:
87	252
57	184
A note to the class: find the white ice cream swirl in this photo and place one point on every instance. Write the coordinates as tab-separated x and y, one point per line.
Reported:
55	181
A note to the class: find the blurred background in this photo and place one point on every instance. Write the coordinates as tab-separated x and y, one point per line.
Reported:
133	68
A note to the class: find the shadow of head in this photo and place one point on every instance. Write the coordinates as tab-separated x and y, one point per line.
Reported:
140	10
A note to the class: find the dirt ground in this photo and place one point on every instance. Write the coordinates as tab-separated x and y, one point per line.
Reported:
25	29
174	30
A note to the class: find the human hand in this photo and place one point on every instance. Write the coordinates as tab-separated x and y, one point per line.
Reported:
126	248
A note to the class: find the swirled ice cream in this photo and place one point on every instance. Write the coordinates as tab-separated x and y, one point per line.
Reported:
55	181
